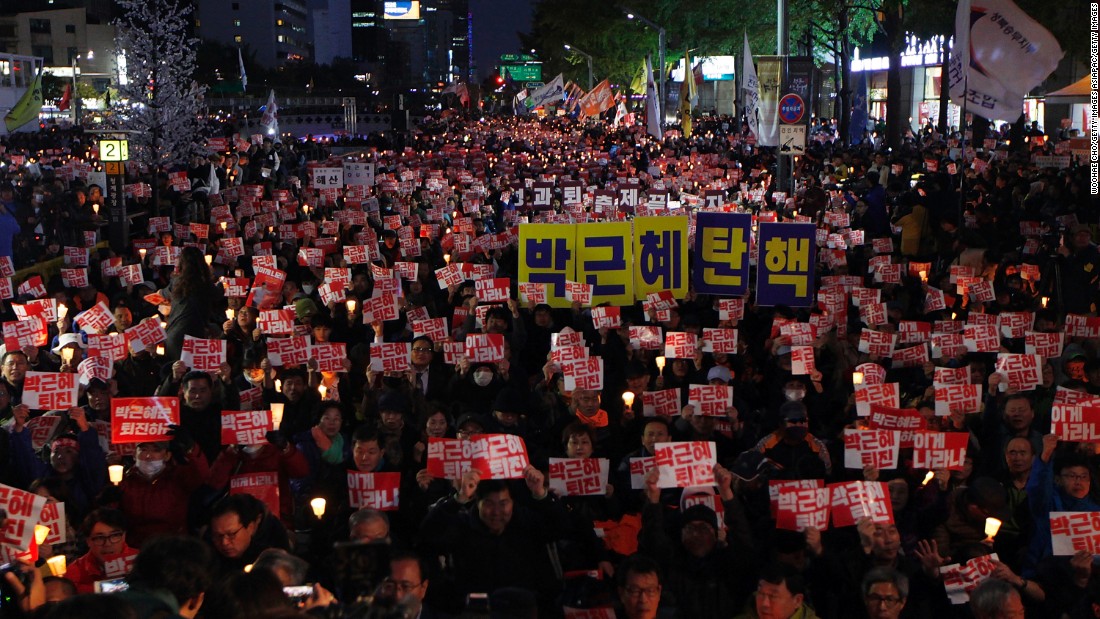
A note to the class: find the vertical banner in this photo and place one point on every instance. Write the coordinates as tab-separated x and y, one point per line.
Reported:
769	71
785	273
660	256
722	253
547	257
604	253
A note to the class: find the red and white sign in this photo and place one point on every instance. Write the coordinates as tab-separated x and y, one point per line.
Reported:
685	463
939	450
947	345
246	427
1071	532
664	403
389	356
645	337
800	333
731	309
951	376
578	292
802	360
284	351
1020	372
74	278
24	510
913	332
95	320
639	467
146	335
681	345
710	400
886	394
964	398
775	488
579	476
30	331
484	347
49	391
981	338
494	290
799	506
1046	345
140	420
907	421
531	292
960	580
605	317
100	368
585	373
878	343
382	307
276	321
1015	324
1075	423
264	486
53	516
852	501
876	448
379	491
330	356
202	354
873	373
1082	326
720	341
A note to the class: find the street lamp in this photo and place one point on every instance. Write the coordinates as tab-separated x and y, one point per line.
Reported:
661	59
587	57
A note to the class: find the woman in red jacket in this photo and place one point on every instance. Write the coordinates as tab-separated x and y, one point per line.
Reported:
108	554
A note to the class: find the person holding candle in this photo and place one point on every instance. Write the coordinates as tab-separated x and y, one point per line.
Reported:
325	447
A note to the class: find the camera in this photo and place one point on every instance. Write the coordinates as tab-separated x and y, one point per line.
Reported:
298	594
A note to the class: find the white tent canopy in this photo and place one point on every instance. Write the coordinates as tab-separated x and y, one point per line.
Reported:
1077	92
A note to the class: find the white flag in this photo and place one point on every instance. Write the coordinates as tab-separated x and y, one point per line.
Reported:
244	76
652	123
750	89
998	56
552	91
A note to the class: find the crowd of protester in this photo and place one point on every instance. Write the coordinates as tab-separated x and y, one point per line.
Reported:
459	546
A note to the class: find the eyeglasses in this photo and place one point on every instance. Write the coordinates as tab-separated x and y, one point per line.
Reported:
886	600
113	538
1076	476
227	536
403	586
422	350
648	592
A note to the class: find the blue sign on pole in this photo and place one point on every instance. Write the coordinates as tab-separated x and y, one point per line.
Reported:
791	109
785	268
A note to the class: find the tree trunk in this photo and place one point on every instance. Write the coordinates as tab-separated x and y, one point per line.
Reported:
845	91
895	35
945	95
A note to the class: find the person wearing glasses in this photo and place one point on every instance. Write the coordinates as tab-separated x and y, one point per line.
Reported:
108	554
792	444
241	527
884	593
638	581
428	376
409	578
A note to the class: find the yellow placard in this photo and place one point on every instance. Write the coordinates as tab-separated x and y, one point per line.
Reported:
604	255
548	256
660	256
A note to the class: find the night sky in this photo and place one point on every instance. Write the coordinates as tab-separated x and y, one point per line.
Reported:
496	23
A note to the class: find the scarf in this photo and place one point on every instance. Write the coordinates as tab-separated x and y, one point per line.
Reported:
332	450
599	420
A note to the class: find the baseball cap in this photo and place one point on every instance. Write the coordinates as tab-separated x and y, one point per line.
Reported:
719	372
699	513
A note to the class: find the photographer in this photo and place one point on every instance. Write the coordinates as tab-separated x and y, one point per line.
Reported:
1080	270
22	589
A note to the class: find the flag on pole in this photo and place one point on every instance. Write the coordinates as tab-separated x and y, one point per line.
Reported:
270	119
552	91
597	101
460	90
244	76
750	89
687	94
620	114
998	56
860	112
697	76
518	103
66	98
638	84
653	122
27	108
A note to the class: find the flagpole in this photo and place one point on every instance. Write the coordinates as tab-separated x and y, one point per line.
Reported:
963	142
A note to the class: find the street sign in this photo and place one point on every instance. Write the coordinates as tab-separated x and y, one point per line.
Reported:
522	72
791	109
114	150
112	167
534	85
517	58
792	140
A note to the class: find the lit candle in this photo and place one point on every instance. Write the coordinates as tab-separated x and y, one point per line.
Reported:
160	350
1045	301
248	568
209	259
224	226
992	525
41	532
141	252
66	354
628	398
277	410
95	208
278	385
231	313
927	478
318	506
62	312
163	325
115	473
57	565
857	378
924	276
323	390
447	258
660	364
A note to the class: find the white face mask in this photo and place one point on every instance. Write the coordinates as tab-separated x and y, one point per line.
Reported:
252	449
307	289
794	395
150	468
483	378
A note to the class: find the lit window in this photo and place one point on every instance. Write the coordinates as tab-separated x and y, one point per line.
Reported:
280	38
237	39
278	22
237	23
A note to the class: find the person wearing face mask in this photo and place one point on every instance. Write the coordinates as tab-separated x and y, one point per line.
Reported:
154	493
277	455
474	388
792	442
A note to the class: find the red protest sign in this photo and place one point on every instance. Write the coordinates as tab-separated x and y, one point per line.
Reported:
913	332
1020	372
960	580
30	331
645	337
379	491
276	321
853	500
109	345
95	320
798	507
1082	326
146	335
435	328
100	368
1072	532
24	510
283	351
720	341
965	398
1075	423
878	343
140	420
264	486
681	345
41	429
802	360
639	467
494	290
906	421
981	338
710	400
939	450
731	309
775	488
604	317
389	357
1046	345
246	427
382	307
686	463
203	355
873	373
664	403
579	476
951	376
484	347
585	373
50	390
877	448
886	394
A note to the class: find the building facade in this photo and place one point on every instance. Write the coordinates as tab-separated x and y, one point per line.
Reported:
275	32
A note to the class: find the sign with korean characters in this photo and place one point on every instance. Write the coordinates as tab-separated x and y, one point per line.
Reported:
660	256
547	256
785	272
722	253
604	255
327	177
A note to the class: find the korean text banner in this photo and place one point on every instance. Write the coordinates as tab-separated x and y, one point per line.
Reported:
660	256
604	255
785	269
722	253
547	257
